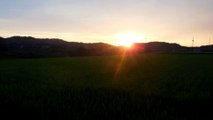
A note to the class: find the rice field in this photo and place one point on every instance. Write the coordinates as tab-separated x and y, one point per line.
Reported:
130	87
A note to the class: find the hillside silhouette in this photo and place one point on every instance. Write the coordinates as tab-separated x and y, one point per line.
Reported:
35	47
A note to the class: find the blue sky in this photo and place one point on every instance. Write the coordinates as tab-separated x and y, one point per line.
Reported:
100	20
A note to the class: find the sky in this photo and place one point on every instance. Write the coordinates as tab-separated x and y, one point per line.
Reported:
173	21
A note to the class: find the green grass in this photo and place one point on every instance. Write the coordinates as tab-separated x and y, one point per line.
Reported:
149	86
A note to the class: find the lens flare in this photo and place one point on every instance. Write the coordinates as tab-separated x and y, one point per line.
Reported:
127	39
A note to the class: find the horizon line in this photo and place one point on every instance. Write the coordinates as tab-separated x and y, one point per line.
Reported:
28	36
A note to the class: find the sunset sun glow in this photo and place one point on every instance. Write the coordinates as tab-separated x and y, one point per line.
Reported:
127	39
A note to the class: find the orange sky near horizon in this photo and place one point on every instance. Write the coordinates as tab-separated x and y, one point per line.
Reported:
176	21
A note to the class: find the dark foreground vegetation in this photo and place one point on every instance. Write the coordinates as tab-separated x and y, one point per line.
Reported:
145	87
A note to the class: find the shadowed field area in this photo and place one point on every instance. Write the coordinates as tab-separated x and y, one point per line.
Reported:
149	86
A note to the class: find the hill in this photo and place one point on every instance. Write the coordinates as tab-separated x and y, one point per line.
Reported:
35	47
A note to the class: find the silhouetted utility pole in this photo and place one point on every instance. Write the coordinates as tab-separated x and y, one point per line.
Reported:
193	40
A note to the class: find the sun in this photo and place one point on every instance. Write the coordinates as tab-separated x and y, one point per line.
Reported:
127	39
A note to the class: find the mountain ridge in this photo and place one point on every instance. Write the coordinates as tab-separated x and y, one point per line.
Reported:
27	46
